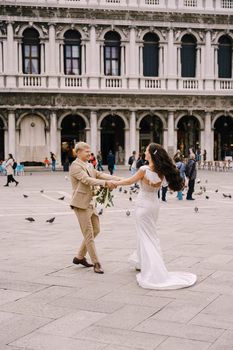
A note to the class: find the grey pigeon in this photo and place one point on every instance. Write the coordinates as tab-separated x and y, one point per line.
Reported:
196	209
25	196
100	212
62	198
30	219
50	220
128	213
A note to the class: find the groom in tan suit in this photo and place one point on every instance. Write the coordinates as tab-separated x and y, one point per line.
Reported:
83	179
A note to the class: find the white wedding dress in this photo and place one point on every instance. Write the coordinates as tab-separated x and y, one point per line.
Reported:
148	257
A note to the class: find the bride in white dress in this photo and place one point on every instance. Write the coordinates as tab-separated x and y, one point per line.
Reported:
148	257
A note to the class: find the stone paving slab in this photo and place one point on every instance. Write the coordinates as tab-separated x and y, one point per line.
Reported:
47	303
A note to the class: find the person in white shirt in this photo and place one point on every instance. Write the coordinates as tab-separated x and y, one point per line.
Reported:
10	170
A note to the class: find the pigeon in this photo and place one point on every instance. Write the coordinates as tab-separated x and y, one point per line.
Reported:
100	212
30	219
50	220
198	181
201	188
207	197
128	213
216	191
130	193
199	193
62	198
66	177
226	195
125	191
130	199
204	189
206	181
196	209
120	189
25	195
41	191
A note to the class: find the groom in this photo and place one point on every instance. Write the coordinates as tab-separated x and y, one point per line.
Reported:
83	178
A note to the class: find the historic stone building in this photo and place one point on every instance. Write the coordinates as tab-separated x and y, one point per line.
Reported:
116	73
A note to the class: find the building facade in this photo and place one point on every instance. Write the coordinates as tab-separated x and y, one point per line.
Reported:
117	74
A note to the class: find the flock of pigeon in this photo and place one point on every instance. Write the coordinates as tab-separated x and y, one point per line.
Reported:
51	220
134	190
202	190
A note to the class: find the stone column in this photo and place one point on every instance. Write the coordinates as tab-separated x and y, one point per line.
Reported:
93	60
141	60
1	55
198	64
11	132
161	61
122	69
20	57
127	145
6	144
88	136
171	61
53	132
133	146
10	59
170	134
61	57
101	59
83	59
52	55
208	138
42	57
94	132
132	59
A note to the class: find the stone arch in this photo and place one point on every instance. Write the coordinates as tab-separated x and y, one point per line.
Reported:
223	136
156	114
114	29
218	115
192	33
220	34
154	31
4	121
105	114
198	117
64	115
77	28
30	114
34	26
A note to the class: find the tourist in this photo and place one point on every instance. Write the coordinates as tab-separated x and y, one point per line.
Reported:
132	163
111	162
181	167
46	162
93	160
191	173
53	159
99	162
10	166
141	160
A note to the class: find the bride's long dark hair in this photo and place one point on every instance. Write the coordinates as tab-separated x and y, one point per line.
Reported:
164	167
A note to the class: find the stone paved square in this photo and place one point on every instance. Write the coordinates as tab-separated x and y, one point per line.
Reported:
47	303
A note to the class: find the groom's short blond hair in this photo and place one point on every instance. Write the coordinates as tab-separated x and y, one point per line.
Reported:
81	145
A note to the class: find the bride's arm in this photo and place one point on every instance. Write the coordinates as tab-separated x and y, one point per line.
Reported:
133	179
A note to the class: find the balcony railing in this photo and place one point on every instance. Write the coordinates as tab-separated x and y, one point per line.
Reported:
123	84
192	5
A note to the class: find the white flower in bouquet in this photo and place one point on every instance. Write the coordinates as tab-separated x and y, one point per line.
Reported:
103	196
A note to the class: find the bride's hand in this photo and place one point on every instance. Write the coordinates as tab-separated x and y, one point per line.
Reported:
116	183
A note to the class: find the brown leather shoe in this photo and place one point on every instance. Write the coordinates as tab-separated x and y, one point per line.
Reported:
98	269
81	262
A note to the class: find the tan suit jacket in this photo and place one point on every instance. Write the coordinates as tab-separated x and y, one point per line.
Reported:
83	180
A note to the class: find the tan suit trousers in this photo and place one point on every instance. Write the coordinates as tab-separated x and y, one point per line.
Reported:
90	227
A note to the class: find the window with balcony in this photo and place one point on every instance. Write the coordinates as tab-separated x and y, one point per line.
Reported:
190	3
151	55
72	53
225	57
31	51
227	4
112	54
188	56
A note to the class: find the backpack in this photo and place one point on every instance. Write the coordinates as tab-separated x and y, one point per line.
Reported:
14	166
131	160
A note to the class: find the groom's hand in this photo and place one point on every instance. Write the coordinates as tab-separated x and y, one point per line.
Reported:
111	185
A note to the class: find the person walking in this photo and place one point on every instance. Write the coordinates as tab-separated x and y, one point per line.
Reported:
83	178
141	160
111	162
133	163
181	167
191	173
93	160
53	160
10	166
99	162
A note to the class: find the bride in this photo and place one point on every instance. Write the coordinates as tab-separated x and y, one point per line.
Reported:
148	257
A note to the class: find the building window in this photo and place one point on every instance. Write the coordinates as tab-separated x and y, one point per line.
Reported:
188	56
151	2
190	3
225	57
112	54
31	51
72	53
227	4
151	55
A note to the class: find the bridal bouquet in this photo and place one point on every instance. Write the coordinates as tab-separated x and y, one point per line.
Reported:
104	197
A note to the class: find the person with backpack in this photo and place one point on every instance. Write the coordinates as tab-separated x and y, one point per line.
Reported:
191	174
133	163
181	167
53	160
10	166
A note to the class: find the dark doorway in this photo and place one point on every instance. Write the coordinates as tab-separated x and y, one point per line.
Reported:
113	138
151	130
2	153
188	135
223	138
72	131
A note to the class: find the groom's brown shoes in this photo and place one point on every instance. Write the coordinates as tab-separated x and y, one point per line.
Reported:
98	269
82	262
